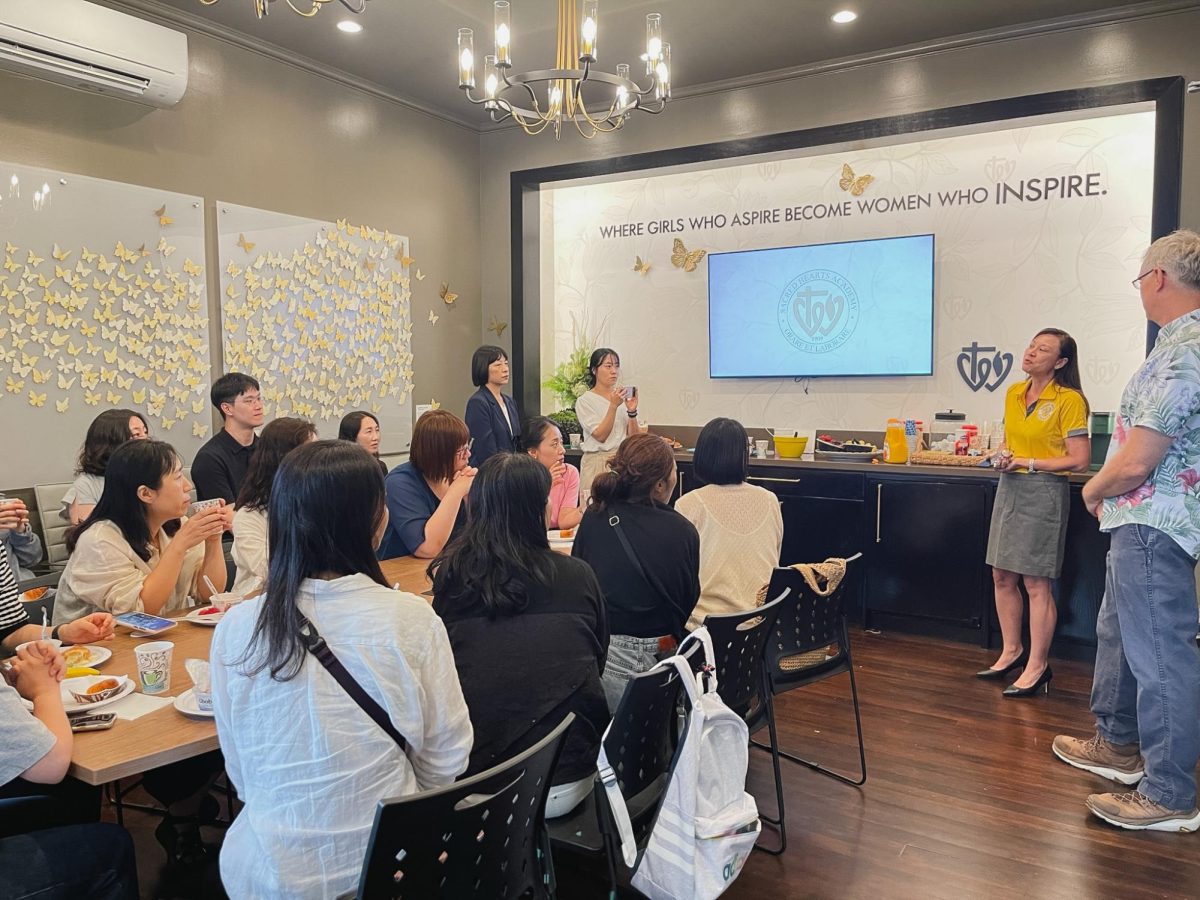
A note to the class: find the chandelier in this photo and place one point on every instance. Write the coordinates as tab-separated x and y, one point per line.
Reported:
262	7
594	101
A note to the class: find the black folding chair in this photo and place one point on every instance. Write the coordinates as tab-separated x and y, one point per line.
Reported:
483	837
808	624
739	640
640	747
34	608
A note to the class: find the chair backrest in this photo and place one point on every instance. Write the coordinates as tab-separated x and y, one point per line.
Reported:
806	622
738	642
34	608
54	527
482	837
642	738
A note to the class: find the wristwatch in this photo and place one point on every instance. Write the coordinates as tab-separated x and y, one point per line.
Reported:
1031	467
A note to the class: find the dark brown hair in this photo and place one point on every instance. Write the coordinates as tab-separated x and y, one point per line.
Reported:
108	431
436	440
278	439
640	463
1068	375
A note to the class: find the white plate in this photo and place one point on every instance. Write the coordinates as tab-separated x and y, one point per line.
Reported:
71	706
98	656
196	619
55	641
186	704
555	538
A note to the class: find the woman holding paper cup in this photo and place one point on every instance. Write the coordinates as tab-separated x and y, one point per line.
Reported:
1045	439
608	413
122	558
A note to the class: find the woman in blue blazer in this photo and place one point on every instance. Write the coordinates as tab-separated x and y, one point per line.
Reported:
492	417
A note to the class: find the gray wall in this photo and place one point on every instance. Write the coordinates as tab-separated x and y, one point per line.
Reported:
257	132
1163	45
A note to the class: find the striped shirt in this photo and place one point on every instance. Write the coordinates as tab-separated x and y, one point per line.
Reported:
12	611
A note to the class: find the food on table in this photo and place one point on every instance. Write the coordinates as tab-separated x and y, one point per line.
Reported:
77	656
207	611
827	444
81	671
106	684
566	533
34	594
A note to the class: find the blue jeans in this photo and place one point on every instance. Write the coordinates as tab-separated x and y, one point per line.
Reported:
86	861
1146	687
627	656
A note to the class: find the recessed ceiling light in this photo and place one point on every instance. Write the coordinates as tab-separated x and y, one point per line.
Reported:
844	16
349	26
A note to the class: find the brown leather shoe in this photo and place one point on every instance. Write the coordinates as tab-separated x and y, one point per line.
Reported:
1117	762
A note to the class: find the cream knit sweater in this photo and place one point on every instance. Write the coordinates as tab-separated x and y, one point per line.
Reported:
741	531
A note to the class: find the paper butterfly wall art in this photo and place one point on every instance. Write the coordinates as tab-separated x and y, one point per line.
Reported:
446	294
641	267
682	258
855	184
497	326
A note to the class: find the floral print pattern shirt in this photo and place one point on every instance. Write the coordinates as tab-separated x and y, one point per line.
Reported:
1164	395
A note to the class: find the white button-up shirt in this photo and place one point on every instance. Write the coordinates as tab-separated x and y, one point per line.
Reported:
307	761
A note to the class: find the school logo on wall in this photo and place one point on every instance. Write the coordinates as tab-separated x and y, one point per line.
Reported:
818	311
983	367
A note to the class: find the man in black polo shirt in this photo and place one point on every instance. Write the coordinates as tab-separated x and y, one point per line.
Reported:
220	465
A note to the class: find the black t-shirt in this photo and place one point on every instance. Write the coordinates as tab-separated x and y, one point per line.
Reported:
668	548
220	466
522	674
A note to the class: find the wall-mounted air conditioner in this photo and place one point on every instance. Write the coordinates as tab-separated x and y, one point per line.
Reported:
93	48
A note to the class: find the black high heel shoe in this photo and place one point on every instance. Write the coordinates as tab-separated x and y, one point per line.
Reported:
1042	684
997	674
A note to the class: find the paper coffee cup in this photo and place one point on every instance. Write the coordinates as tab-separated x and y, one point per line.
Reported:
762	448
154	666
200	673
577	440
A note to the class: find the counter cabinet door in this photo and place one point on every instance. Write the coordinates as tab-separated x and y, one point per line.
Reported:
926	546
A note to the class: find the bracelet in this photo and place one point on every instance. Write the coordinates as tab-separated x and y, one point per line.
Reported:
632	413
1031	467
54	632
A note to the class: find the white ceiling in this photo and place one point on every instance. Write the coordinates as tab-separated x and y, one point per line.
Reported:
407	47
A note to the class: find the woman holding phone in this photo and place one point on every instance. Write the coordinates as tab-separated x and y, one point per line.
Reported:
608	413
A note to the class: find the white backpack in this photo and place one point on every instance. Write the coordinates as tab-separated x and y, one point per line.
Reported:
707	824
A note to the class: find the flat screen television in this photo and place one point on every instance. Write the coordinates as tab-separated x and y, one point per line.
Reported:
850	308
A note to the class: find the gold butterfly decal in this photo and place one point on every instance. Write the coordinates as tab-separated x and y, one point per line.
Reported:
433	318
62	405
123	252
65	383
191	268
852	183
13	385
91	398
641	267
10	248
403	258
88	255
60	254
199	429
36	399
40	376
245	244
34	260
682	258
497	326
163	218
420	277
139	397
164	248
446	294
113	397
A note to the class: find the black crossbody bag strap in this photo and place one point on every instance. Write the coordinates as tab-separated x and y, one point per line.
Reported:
317	647
615	523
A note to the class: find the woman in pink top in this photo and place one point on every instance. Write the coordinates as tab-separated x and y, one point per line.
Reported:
542	440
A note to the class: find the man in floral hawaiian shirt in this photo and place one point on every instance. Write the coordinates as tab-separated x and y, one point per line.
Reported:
1146	686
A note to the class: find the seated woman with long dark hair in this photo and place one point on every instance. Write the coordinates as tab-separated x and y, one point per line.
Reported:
527	626
108	431
279	438
426	494
122	559
651	580
307	760
362	428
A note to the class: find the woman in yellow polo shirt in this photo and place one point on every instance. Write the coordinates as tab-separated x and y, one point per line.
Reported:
1045	431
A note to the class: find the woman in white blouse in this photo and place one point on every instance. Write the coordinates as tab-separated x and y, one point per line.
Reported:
280	437
740	524
307	761
122	559
605	424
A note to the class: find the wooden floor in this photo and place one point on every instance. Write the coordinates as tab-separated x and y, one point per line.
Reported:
963	798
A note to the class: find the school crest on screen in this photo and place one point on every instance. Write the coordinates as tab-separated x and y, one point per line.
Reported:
818	311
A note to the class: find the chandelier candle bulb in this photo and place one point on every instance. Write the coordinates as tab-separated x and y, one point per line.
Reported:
653	41
622	91
466	58
662	88
589	29
491	78
503	32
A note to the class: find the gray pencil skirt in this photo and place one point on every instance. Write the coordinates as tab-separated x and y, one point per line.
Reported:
1029	524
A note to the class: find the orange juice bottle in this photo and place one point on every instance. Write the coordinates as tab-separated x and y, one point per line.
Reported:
895	448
